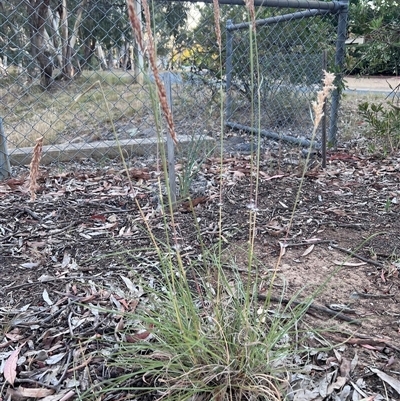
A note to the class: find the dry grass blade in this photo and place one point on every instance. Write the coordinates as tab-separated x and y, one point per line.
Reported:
318	107
34	167
151	55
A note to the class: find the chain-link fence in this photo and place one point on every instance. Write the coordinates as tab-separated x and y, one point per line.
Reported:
72	72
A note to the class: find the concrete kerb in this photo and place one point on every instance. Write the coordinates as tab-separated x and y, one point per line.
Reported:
106	149
373	84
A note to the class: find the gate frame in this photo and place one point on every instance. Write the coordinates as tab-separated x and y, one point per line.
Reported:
313	8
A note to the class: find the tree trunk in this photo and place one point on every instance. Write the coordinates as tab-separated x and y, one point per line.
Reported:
89	47
55	35
102	58
78	20
38	11
67	68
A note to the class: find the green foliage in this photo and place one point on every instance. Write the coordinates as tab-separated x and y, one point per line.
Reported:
384	123
378	22
99	20
170	27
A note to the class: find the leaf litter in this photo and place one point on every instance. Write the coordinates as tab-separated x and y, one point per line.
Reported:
70	262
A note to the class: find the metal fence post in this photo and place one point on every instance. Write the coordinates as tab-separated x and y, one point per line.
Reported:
170	142
137	54
339	59
324	116
229	51
5	168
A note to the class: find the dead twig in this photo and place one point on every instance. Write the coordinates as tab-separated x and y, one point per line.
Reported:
60	380
357	256
363	340
82	365
37	383
357	294
28	211
16	287
307	243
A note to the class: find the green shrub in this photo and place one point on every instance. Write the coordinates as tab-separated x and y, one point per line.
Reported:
384	124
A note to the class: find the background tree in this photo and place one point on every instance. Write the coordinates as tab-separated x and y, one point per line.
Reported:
63	35
378	21
170	23
14	35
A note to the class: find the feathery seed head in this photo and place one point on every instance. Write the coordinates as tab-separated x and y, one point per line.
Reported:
216	22
34	167
318	106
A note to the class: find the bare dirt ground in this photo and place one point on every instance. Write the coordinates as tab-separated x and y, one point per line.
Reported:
82	244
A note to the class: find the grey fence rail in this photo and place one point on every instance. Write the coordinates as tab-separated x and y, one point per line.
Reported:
72	73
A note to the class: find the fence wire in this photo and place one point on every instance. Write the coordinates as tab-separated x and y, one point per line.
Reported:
72	73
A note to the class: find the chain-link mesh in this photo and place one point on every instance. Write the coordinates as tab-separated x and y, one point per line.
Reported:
72	73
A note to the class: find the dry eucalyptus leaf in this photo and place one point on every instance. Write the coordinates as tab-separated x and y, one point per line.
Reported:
29	265
129	284
55	359
349	264
10	367
21	393
394	383
308	250
63	395
46	297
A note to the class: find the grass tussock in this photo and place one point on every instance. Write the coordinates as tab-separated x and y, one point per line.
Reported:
204	335
201	331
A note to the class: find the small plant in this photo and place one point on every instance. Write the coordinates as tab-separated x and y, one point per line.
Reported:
196	155
384	123
388	204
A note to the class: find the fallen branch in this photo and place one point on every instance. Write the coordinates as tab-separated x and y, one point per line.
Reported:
312	307
357	294
364	340
307	243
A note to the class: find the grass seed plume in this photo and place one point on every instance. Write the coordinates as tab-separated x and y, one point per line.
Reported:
149	50
318	105
34	167
217	17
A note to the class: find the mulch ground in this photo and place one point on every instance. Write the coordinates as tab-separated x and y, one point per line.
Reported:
82	244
